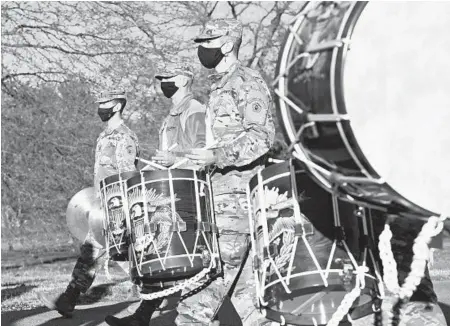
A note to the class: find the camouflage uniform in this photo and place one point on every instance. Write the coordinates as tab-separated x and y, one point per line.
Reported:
185	124
241	126
116	152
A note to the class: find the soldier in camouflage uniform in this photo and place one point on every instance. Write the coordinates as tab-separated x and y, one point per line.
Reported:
185	128
116	151
240	130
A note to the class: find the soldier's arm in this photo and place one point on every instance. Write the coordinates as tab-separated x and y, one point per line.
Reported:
126	154
254	104
195	130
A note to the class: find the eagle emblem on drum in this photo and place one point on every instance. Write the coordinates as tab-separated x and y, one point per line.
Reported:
116	214
282	229
161	217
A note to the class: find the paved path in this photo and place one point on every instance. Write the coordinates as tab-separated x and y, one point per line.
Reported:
93	315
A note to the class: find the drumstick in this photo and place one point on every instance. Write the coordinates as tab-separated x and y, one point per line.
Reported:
172	147
156	165
184	160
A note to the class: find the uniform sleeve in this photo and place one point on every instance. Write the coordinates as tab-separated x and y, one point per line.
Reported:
254	104
126	154
196	130
96	170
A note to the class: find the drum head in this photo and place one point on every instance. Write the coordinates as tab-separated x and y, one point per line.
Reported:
396	83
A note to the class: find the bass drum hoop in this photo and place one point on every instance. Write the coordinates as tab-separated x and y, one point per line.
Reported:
337	96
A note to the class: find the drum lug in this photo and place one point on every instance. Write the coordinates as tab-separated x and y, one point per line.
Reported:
178	227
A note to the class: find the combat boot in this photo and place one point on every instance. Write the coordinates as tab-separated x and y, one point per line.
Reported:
141	316
65	303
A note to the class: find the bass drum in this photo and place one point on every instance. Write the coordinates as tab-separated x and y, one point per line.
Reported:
363	94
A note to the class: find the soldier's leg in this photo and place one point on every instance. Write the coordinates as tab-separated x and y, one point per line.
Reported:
200	308
91	258
146	310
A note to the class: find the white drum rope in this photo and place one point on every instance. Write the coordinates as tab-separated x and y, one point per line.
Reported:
421	254
349	298
178	287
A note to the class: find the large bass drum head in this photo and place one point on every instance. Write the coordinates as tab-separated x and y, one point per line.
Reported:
397	94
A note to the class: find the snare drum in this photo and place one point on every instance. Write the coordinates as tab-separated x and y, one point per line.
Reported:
307	247
115	208
173	230
363	93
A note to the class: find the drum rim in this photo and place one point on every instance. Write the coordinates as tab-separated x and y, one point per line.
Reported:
338	58
163	175
115	178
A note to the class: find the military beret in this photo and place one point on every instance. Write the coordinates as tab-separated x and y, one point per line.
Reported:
220	27
174	69
110	95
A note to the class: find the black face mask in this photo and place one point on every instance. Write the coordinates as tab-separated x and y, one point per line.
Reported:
106	113
169	89
209	57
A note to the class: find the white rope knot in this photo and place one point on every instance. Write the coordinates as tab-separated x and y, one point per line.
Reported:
387	258
421	255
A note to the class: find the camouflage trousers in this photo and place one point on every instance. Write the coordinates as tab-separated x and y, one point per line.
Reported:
91	259
200	308
414	313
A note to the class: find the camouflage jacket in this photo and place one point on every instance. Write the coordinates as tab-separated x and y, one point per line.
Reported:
241	126
117	151
185	125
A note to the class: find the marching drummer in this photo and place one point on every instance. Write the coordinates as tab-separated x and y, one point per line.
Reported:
184	127
117	151
241	129
182	130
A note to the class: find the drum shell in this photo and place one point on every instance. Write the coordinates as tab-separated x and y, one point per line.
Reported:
315	204
176	263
